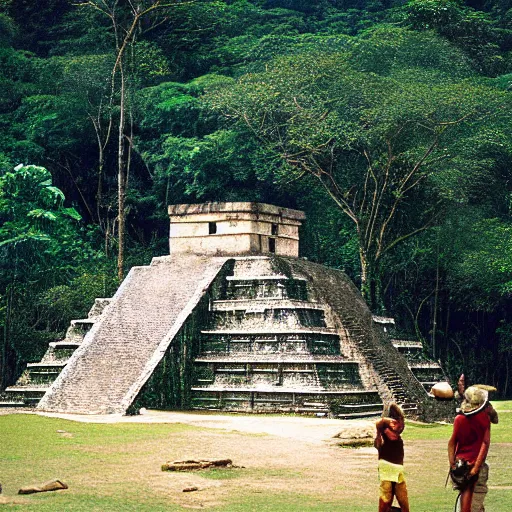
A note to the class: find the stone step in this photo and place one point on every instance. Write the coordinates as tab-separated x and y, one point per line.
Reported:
4	404
126	345
425	365
64	345
281	390
277	359
356	415
29	396
269	277
316	410
35	390
362	406
83	322
41	366
267	303
407	344
269	332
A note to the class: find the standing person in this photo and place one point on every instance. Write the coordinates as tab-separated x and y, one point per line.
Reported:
390	446
468	447
480	492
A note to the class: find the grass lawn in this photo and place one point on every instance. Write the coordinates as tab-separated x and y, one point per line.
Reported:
116	467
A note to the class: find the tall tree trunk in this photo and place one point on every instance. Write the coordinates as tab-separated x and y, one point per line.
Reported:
365	285
507	356
121	177
371	286
434	314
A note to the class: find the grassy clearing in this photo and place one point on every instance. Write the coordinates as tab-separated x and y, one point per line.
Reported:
116	467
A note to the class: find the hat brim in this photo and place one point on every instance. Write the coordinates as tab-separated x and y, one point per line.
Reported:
470	412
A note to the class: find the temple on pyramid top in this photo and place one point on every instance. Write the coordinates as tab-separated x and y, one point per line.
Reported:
234	229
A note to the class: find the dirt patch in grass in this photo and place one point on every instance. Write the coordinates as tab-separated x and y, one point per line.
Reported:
4	500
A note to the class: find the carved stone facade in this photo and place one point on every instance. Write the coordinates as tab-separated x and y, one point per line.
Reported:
234	229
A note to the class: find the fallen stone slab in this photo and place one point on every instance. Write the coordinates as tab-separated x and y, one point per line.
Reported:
356	436
52	485
194	465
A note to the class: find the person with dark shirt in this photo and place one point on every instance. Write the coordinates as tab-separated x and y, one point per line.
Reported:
390	446
468	447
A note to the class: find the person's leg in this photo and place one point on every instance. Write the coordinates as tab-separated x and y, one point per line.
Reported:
402	496
477	504
385	495
466	497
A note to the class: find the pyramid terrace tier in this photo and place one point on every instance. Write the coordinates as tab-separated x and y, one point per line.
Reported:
265	287
44	373
251	305
411	350
304	374
59	351
28	395
289	400
98	307
407	344
255	266
428	373
273	358
263	315
293	341
78	329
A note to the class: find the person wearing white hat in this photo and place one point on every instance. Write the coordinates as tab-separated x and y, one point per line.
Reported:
468	447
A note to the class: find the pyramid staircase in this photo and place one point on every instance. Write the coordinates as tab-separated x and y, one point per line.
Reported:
269	348
391	380
38	377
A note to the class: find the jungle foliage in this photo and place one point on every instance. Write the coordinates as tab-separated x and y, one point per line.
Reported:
387	121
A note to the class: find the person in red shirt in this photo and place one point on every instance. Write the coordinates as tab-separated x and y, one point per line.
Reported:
469	443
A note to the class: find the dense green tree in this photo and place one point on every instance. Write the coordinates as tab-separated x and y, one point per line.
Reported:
37	25
369	140
41	247
475	32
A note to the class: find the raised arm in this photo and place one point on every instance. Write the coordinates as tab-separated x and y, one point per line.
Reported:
482	454
492	413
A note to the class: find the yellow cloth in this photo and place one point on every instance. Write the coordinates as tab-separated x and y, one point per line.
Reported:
390	472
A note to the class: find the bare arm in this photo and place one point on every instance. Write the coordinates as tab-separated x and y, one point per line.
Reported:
378	441
452	445
482	454
385	423
380	425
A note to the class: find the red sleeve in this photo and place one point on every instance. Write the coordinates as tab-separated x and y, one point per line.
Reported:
457	425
